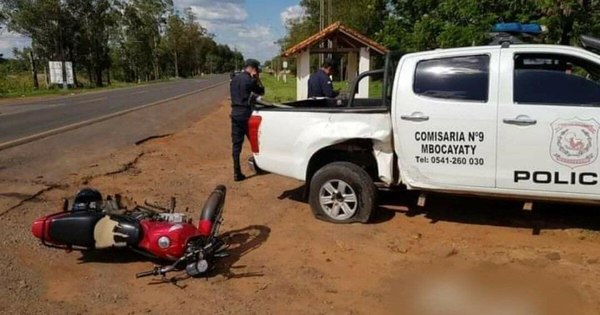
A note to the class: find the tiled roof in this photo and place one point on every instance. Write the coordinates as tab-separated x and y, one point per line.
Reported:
336	29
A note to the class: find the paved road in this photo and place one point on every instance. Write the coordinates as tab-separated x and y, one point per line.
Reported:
26	119
30	167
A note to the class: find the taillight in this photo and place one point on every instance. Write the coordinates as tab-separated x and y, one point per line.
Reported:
253	126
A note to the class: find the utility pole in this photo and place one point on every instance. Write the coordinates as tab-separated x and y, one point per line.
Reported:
329	12
321	15
62	48
321	26
329	21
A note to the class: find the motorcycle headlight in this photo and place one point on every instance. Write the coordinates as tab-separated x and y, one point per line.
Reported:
164	242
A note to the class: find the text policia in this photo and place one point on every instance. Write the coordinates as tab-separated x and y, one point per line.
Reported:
556	178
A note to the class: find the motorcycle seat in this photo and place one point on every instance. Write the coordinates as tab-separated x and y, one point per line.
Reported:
74	228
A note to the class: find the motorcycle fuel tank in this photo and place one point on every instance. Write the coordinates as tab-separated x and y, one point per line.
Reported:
166	240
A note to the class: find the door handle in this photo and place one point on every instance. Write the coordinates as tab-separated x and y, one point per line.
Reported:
416	116
521	120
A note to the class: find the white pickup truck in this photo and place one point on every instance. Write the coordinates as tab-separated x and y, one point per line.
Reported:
519	121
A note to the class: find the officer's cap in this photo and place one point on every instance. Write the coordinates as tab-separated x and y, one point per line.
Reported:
328	63
253	63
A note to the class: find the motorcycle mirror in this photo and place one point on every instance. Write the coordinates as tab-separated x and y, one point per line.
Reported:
173	204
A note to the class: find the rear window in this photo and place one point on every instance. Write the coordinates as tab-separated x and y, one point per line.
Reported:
457	78
556	79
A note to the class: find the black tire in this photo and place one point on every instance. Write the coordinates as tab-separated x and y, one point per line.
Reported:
212	211
358	181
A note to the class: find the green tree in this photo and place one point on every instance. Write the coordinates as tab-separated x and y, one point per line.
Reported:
43	21
94	22
429	24
143	21
568	19
132	40
175	39
366	16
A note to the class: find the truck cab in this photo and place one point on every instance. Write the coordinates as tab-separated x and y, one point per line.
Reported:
518	121
521	120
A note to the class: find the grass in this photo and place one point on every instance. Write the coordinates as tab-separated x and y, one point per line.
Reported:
20	85
279	92
30	92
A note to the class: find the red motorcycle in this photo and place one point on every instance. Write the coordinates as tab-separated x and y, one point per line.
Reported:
159	233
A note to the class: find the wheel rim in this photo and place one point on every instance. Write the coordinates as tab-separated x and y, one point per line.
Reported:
338	200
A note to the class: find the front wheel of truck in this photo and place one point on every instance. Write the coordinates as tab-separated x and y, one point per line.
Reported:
342	192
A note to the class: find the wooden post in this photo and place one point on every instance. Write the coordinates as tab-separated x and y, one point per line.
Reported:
352	68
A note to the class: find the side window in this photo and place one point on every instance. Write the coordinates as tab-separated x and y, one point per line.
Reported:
374	81
457	78
555	79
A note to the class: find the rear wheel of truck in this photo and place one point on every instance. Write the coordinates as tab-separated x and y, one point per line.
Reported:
342	192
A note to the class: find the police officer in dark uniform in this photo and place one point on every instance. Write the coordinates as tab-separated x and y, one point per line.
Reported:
319	83
241	88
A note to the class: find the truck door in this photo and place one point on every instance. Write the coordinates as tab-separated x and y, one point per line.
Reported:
445	111
548	122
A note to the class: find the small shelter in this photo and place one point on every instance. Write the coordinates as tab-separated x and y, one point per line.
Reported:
335	39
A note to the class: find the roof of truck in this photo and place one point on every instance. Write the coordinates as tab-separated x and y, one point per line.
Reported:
541	47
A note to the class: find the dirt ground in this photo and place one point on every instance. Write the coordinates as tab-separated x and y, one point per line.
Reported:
458	255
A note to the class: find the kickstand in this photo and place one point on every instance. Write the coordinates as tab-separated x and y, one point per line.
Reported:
173	280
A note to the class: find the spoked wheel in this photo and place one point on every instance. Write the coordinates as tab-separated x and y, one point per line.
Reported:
338	200
209	245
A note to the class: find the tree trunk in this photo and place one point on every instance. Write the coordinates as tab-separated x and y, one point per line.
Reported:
36	84
98	77
75	81
46	78
176	66
156	71
567	29
90	75
108	76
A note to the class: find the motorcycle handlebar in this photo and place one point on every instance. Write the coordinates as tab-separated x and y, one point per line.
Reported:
157	271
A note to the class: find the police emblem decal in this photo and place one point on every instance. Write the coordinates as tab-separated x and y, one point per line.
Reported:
574	142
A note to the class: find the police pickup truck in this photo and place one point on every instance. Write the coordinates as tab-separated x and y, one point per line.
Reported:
512	120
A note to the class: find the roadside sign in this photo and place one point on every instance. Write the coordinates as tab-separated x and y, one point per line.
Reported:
285	65
56	72
69	68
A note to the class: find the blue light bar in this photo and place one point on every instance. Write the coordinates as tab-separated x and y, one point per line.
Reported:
533	28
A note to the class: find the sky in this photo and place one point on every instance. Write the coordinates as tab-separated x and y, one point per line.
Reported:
250	26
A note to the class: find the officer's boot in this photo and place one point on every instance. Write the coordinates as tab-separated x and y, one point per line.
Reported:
237	170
